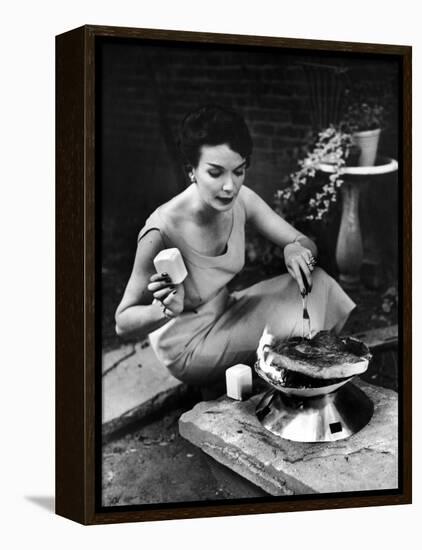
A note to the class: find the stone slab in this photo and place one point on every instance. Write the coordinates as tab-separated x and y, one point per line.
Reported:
135	385
229	432
113	358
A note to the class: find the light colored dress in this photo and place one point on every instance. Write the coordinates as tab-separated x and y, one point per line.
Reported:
218	329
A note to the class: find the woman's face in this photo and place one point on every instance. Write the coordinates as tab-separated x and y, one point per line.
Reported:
219	176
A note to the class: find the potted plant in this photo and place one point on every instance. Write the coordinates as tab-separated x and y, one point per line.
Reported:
364	117
353	141
364	121
303	199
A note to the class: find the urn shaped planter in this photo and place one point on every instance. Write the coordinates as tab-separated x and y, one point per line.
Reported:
367	141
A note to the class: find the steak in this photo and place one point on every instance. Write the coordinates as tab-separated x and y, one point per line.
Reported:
326	357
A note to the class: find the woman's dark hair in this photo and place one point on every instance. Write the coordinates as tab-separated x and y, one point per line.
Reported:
213	125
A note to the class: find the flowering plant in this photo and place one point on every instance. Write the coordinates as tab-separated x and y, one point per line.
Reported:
332	146
361	116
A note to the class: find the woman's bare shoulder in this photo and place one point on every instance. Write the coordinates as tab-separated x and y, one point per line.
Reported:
176	209
247	193
248	198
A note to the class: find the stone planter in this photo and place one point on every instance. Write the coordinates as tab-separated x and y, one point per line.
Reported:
367	141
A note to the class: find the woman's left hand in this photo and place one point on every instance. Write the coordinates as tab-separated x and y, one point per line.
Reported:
298	258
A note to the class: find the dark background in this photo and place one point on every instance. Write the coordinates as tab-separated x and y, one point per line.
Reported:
146	90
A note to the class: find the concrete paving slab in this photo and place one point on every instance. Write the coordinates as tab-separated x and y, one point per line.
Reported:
229	432
135	385
113	358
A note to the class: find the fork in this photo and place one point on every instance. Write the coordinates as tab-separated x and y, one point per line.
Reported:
305	316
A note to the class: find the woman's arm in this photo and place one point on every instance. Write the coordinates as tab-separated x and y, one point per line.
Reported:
270	224
137	314
298	248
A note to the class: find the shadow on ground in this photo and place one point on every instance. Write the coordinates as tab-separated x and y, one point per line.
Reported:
46	502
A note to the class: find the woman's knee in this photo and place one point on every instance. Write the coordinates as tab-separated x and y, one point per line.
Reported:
194	372
321	277
319	273
204	370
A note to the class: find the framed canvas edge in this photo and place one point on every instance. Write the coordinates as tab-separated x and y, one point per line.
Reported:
75	365
70	383
243	40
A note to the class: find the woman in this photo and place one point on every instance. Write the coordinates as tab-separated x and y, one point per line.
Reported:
197	328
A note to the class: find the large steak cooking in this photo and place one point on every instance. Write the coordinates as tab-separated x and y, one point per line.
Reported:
326	356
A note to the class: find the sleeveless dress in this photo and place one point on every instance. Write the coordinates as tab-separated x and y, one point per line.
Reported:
218	329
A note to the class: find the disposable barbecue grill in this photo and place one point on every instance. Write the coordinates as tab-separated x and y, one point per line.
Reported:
312	398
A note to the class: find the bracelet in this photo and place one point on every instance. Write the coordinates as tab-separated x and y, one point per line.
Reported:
165	314
295	241
162	307
312	261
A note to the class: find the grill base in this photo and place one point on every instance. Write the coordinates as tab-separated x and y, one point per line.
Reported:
330	417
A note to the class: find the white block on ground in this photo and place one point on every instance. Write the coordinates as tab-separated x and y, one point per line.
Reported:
239	381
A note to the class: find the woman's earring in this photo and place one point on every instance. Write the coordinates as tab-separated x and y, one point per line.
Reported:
192	177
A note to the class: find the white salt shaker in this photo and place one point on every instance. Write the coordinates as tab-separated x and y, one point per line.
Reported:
170	261
239	382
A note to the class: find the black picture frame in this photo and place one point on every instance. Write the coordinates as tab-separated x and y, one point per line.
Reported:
78	389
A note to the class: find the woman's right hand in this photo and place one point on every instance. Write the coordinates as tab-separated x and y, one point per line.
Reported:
169	294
